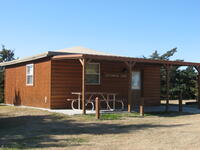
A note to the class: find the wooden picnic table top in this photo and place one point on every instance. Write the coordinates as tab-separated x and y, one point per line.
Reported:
95	93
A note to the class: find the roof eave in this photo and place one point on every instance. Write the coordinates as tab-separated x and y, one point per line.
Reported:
17	61
120	58
63	55
72	56
143	60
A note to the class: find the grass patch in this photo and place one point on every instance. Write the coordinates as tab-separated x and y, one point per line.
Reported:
2	148
119	116
110	116
73	141
167	114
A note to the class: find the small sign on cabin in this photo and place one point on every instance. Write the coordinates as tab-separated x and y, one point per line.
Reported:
115	75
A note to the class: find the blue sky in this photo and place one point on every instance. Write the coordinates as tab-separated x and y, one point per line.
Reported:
131	28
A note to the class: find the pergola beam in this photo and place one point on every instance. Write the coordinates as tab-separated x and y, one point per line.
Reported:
81	61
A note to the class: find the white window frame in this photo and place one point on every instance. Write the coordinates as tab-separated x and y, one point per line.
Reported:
32	74
99	74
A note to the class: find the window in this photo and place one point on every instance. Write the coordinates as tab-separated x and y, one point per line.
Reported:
136	80
29	74
93	73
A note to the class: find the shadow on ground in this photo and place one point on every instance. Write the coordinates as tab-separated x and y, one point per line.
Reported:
167	114
39	131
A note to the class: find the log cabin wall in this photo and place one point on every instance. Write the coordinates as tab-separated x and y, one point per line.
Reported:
150	85
18	93
54	80
66	78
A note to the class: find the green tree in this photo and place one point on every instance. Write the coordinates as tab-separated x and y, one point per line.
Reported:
165	56
168	54
182	80
5	55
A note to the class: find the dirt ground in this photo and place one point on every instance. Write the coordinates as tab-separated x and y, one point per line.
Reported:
23	128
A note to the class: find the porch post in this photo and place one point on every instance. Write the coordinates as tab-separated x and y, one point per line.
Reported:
129	87
142	95
180	102
83	87
198	84
130	66
83	62
167	87
142	106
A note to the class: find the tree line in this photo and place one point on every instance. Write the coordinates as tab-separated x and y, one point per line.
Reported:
181	80
5	55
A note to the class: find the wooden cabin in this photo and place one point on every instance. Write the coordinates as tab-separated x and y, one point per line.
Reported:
49	79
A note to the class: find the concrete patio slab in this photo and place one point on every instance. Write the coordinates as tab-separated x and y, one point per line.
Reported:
187	109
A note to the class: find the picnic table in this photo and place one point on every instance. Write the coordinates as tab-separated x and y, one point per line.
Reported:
103	96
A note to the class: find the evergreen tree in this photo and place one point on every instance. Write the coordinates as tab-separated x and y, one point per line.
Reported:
155	55
181	80
5	55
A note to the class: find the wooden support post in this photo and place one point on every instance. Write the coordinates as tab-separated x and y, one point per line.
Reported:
83	62
142	96
130	66
198	85
180	102
83	85
129	88
97	107
198	97
167	87
142	107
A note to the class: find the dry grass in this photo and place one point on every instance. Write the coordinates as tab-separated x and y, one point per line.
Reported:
22	128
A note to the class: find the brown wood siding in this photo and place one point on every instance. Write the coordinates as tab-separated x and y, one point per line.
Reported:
66	78
16	91
151	85
56	79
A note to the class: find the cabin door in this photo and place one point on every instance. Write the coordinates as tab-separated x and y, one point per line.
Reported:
136	87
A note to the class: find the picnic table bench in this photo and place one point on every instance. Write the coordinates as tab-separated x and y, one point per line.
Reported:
103	96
